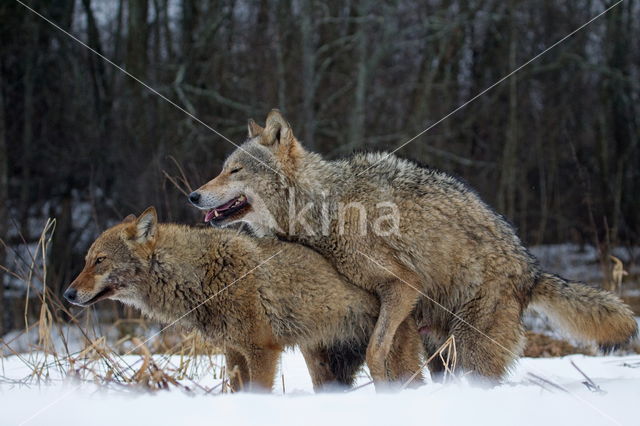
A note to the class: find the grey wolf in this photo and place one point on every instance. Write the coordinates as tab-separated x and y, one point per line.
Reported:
452	261
174	272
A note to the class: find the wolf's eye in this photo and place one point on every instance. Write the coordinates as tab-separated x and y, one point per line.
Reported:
236	170
99	260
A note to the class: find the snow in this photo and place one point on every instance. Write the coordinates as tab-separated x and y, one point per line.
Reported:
537	392
521	400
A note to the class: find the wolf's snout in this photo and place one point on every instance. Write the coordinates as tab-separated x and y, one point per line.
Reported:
71	295
194	197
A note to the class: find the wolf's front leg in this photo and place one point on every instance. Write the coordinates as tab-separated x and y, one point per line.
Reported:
263	362
404	363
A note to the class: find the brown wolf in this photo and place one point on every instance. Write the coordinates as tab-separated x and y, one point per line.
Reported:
250	296
441	252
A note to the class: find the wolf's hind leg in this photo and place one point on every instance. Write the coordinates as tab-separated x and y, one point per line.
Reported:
489	339
436	367
404	358
397	300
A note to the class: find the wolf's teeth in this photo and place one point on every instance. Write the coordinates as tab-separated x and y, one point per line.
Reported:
216	214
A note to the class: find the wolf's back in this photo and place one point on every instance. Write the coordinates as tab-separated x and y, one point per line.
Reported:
585	312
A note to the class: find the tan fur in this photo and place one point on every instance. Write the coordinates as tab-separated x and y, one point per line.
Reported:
251	296
587	313
452	253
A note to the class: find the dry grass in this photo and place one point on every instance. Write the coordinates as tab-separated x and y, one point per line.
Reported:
448	356
542	346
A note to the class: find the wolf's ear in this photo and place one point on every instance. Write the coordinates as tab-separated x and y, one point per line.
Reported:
146	226
254	129
129	219
277	130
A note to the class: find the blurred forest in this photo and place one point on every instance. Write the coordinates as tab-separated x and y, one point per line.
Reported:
553	148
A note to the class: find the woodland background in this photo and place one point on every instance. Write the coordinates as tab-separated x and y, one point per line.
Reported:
554	148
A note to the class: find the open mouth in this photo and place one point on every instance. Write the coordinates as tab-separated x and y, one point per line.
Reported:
227	209
103	294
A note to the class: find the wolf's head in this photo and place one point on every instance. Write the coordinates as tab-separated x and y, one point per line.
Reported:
252	186
117	262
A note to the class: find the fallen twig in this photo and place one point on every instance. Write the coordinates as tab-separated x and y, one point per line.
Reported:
546	381
590	384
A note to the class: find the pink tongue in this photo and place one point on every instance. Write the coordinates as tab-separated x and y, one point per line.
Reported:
210	215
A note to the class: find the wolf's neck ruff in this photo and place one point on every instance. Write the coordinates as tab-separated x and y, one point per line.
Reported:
174	272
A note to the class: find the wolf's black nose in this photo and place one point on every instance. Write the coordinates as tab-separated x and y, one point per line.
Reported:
194	197
71	294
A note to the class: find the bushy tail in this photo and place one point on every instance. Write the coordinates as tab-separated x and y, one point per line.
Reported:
587	313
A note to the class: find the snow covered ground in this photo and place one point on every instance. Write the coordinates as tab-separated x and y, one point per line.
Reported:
554	394
538	391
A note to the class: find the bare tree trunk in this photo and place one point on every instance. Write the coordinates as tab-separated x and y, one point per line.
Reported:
620	121
59	262
137	39
308	73
167	32
102	94
509	178
136	60
117	45
27	127
543	173
4	198
280	26
356	127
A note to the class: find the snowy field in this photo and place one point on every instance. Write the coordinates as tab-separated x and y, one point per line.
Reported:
541	391
538	392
